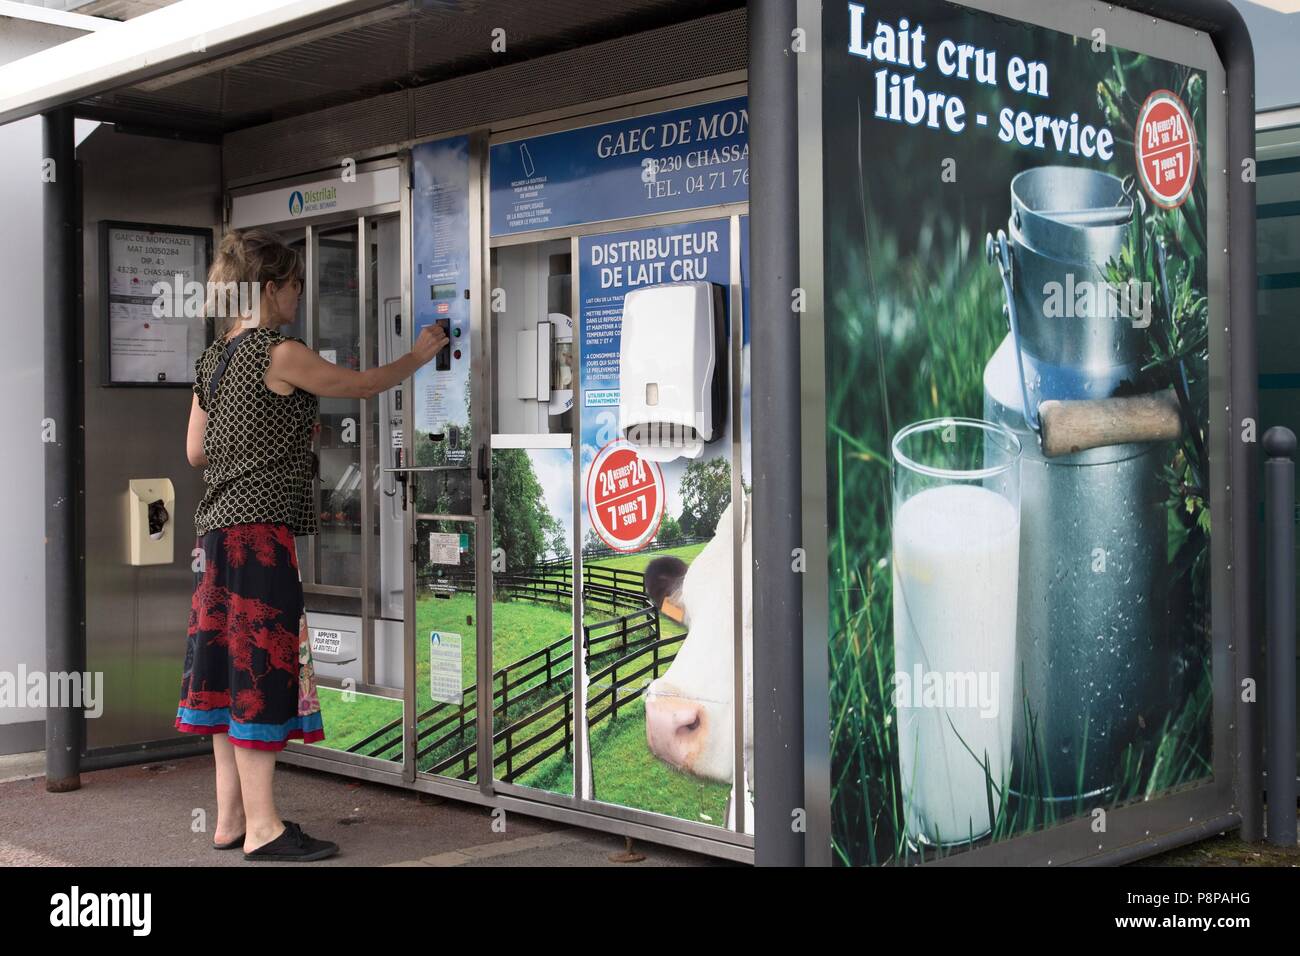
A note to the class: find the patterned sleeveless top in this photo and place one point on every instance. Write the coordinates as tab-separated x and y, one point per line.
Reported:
257	442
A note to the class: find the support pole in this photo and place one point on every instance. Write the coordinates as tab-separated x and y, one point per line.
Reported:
63	719
774	363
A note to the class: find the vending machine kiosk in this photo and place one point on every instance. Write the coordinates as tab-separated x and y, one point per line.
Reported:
530	579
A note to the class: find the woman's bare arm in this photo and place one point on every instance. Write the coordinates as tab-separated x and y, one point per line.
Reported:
194	435
293	364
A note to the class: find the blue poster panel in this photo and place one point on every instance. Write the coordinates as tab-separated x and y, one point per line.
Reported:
441	283
682	159
659	686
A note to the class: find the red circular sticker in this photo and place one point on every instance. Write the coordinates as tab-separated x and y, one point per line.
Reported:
1166	149
625	497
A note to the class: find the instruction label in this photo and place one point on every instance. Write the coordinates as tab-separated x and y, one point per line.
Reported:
444	548
445	674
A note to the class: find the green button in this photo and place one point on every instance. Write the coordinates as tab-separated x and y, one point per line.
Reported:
455	333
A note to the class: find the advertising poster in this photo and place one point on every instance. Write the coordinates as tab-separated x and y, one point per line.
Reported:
1017	405
657	533
440	214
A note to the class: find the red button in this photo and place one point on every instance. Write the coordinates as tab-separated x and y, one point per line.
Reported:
456	354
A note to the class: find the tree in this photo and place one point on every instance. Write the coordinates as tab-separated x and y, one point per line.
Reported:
592	542
706	492
670	530
559	540
522	525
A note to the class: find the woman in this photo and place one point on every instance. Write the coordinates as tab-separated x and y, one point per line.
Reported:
248	676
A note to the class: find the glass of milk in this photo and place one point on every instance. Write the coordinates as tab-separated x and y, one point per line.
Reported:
956	547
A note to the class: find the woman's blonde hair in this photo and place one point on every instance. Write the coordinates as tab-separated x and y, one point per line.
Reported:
246	260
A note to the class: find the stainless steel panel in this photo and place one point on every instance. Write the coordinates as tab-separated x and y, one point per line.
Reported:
136	617
679	53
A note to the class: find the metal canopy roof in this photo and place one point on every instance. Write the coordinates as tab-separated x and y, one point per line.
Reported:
207	67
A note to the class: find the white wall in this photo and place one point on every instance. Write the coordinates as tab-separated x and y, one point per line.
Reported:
22	398
22	545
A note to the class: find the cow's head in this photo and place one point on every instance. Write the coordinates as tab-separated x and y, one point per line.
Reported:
689	713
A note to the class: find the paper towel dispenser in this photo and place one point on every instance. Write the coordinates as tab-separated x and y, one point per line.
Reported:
673	369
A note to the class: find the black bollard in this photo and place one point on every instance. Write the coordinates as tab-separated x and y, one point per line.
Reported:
1279	585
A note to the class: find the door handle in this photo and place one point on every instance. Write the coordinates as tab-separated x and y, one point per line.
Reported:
405	476
402	477
485	476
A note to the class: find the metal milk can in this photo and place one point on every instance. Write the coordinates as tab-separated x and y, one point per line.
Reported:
1091	656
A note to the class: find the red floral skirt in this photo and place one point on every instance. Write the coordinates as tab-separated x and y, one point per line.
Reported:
248	668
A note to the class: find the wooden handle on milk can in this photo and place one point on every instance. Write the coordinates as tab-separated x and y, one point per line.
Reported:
1073	426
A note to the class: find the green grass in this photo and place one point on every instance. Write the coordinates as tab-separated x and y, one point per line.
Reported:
350	721
625	771
639	560
627	774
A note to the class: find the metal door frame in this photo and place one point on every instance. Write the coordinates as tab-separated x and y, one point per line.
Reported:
311	226
639	824
695	836
1224	797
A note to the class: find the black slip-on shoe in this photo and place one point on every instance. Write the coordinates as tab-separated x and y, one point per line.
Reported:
238	841
293	846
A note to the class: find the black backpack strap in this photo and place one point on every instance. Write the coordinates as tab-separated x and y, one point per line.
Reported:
226	356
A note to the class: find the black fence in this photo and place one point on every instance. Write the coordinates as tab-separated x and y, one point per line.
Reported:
631	632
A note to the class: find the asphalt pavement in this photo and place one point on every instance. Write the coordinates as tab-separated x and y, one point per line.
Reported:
162	814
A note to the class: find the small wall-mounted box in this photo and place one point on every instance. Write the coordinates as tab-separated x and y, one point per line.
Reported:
673	369
151	532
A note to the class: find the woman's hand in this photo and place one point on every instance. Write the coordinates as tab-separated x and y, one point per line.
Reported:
431	340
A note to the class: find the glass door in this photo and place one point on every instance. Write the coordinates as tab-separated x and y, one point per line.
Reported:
536	716
337	550
444	472
354	575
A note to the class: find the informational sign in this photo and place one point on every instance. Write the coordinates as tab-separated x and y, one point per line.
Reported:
441	240
139	259
625	497
348	189
444	548
446	672
153	296
1032	647
686	158
325	641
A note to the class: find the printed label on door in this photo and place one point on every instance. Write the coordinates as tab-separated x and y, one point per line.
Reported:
445	677
444	548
